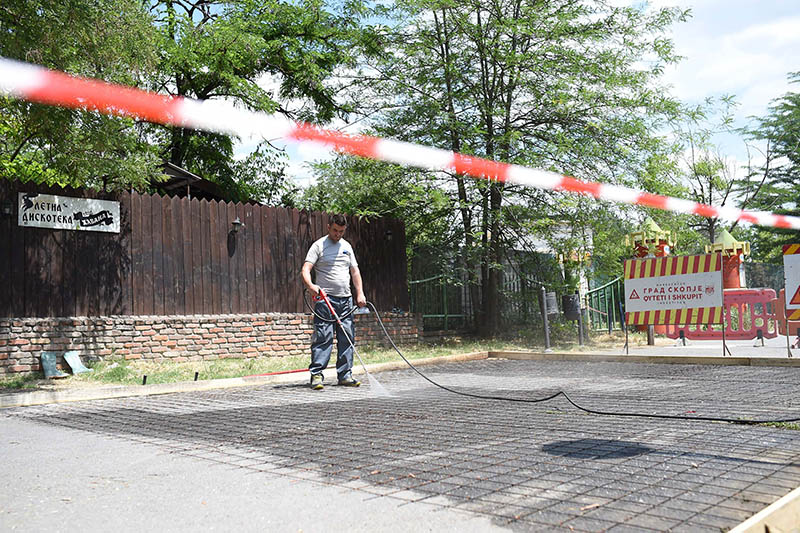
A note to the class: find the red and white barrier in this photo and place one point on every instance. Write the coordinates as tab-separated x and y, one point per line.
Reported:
37	84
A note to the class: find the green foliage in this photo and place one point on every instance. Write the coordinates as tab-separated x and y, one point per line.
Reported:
120	371
113	371
369	189
556	85
111	39
562	85
777	181
103	38
261	176
703	173
22	381
198	48
783	425
231	49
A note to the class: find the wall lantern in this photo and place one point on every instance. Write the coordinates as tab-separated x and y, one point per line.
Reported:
7	207
236	224
388	235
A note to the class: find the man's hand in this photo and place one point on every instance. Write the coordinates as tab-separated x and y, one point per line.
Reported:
314	290
355	274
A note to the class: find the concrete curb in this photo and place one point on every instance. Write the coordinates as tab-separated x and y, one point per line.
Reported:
656	359
781	516
25	399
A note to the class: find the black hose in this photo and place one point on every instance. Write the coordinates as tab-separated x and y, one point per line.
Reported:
570	400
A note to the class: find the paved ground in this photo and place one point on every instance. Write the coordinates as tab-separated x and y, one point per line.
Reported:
772	348
283	458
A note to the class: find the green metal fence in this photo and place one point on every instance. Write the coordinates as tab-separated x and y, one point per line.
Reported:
444	304
603	306
766	275
441	302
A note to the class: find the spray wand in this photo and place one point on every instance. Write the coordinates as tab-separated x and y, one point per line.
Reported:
374	385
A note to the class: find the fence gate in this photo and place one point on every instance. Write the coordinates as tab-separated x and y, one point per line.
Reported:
440	301
603	306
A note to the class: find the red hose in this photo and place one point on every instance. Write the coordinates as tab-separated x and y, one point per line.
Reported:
279	372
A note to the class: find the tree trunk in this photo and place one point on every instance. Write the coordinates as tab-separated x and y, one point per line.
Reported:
493	301
470	263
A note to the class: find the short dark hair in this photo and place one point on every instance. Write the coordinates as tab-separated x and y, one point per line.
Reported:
339	220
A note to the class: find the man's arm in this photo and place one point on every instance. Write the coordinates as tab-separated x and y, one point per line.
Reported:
306	274
355	275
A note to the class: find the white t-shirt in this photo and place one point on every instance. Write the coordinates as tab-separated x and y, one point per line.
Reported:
332	262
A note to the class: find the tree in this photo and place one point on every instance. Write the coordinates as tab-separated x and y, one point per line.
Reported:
775	184
367	189
261	176
704	174
206	49
110	39
214	49
557	84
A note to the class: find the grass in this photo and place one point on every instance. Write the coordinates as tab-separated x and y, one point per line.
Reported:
783	425
122	372
24	381
132	372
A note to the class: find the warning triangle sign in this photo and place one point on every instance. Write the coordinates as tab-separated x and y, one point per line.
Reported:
635	296
796	298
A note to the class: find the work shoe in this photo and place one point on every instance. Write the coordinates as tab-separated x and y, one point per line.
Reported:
349	382
316	382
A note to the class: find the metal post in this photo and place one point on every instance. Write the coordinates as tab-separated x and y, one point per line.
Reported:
651	335
724	346
624	324
525	300
545	321
580	319
786	312
610	312
587	331
797	341
612	308
444	302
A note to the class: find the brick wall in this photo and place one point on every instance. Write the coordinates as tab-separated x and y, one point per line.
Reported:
178	338
404	328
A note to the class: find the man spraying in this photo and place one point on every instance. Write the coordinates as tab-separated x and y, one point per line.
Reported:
334	264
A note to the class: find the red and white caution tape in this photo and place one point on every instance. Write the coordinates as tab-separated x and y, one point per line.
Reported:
37	84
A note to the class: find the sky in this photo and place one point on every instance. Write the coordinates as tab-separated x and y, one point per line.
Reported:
743	48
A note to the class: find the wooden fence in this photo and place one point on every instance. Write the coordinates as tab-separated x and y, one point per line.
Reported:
175	256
